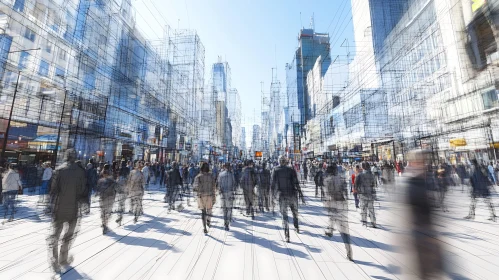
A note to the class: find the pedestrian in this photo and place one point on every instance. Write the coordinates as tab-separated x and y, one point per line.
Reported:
205	185
174	184
305	170
286	185
319	182
264	180
46	176
227	188
337	206
107	193
11	186
92	178
248	183
121	188
146	171
68	187
135	185
425	242
366	187
480	188
354	189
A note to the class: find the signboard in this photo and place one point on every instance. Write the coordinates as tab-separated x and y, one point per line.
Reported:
458	142
258	154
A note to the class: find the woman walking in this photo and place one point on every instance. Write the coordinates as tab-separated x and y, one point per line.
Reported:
11	184
205	185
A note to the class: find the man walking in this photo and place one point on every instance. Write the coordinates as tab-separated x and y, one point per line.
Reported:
227	187
480	184
365	185
68	186
248	182
174	182
285	184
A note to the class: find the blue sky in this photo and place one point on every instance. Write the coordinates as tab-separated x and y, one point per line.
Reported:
253	36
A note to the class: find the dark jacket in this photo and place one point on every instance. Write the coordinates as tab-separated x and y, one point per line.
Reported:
174	178
285	182
365	183
264	178
480	182
248	177
68	187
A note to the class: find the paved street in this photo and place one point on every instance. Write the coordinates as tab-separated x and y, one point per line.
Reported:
165	245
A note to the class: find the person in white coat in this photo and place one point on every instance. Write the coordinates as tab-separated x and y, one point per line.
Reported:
11	183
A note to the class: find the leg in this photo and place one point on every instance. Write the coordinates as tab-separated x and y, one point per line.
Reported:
356	197
363	210
203	219
346	241
471	215
294	211
284	212
488	201
371	211
67	241
53	241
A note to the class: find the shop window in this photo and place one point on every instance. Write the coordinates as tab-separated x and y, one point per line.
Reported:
490	99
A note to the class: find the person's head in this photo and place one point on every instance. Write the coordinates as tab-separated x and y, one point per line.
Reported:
70	155
357	168
174	164
14	166
332	169
139	165
365	166
283	160
227	166
264	165
205	167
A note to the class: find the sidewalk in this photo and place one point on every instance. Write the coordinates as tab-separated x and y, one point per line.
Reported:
165	245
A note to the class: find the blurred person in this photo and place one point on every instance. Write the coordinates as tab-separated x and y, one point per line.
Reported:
121	189
11	186
480	188
286	185
174	181
146	172
135	186
106	188
462	173
319	181
46	176
427	246
227	188
353	187
68	187
205	185
92	178
366	187
248	183
337	206
442	186
305	170
264	178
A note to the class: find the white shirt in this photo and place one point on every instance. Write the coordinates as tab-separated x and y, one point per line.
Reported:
47	174
11	181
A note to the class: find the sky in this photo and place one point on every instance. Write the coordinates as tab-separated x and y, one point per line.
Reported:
253	36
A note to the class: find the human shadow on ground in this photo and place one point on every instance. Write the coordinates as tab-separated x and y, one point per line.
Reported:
366	243
392	269
142	241
269	244
458	235
71	273
157	225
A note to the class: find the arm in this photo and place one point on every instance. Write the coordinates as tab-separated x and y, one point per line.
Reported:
296	183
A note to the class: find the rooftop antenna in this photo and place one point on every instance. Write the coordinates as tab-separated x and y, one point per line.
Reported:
301	23
312	22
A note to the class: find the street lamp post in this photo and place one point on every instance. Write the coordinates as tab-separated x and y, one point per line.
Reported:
56	149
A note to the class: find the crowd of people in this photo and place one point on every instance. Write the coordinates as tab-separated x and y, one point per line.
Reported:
252	187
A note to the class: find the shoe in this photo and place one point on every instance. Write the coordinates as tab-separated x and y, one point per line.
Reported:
104	229
470	217
374	225
67	262
287	239
349	257
205	231
208	223
364	223
135	220
329	233
10	219
493	218
297	230
253	216
118	221
226	228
